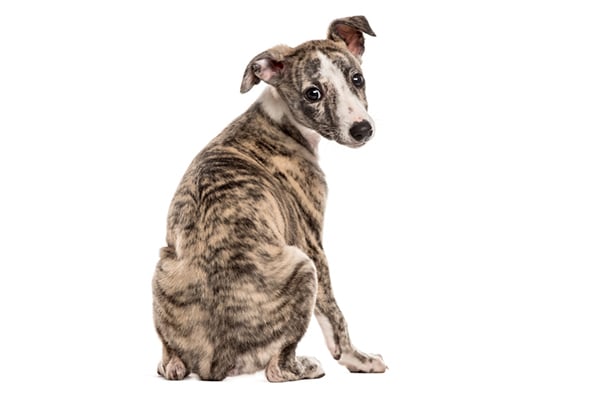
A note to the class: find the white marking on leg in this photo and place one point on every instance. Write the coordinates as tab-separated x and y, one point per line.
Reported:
328	334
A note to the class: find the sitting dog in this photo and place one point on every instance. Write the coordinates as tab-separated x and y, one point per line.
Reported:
244	268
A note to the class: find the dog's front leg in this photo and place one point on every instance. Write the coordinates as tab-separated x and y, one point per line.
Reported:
335	329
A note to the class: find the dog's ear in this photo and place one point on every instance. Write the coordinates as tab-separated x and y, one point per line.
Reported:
268	66
350	31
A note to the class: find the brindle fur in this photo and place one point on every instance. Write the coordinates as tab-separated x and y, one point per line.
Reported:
244	268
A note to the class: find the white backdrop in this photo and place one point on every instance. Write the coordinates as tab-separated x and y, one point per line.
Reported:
464	240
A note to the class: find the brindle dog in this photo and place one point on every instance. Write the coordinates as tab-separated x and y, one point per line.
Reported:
244	268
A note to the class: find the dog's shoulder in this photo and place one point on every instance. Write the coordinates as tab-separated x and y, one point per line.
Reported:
254	138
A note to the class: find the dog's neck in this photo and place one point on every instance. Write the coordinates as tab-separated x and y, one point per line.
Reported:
274	106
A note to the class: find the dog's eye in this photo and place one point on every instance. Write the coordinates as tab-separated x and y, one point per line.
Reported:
358	80
313	94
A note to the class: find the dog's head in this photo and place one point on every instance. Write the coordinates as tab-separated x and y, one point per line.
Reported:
321	82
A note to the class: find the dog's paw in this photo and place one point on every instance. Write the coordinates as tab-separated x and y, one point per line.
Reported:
175	369
299	368
357	361
312	367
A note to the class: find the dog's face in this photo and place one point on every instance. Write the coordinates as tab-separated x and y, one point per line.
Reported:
321	82
324	89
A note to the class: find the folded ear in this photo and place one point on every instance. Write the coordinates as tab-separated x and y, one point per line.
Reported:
268	66
350	31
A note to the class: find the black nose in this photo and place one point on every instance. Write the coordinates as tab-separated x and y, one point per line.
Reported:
361	130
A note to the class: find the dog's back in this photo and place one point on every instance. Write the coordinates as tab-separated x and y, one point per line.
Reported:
248	194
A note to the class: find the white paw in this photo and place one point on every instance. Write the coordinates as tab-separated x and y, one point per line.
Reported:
174	370
312	367
303	368
357	361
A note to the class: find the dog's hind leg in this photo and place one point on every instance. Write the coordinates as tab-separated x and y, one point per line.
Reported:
297	291
263	314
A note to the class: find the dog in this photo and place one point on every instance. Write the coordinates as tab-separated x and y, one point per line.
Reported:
244	269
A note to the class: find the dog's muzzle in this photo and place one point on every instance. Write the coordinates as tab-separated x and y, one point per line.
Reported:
361	131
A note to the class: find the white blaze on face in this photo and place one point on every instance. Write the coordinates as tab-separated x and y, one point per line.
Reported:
350	109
